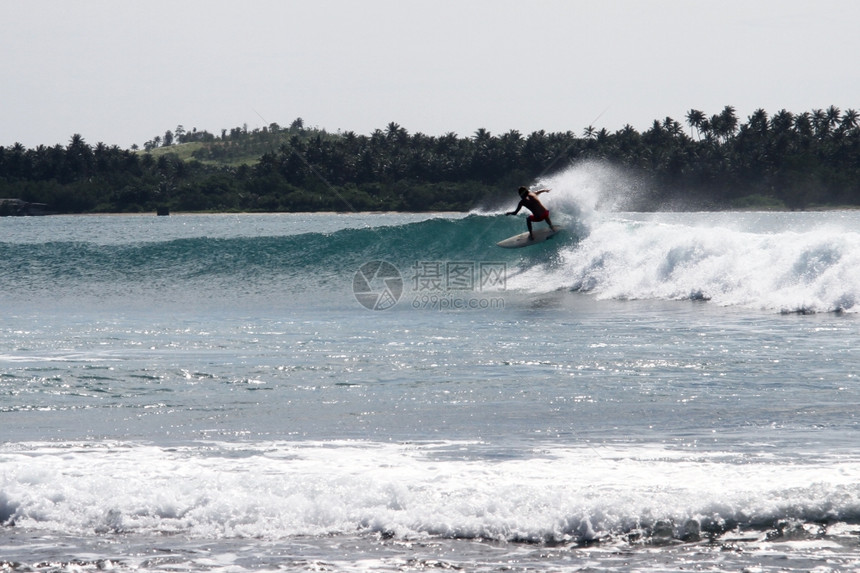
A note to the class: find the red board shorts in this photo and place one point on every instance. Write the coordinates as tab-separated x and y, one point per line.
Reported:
539	218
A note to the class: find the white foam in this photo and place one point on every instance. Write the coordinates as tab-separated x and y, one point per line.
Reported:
815	269
277	490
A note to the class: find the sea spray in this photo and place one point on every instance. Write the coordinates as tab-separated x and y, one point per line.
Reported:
580	190
687	257
592	186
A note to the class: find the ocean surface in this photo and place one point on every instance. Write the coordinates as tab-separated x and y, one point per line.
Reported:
393	392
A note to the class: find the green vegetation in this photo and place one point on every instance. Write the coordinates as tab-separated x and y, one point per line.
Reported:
793	161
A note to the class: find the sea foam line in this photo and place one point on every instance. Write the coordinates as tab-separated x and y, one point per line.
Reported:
278	490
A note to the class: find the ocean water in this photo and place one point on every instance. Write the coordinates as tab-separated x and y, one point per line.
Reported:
391	392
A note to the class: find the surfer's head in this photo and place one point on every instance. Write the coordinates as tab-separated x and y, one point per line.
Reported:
523	191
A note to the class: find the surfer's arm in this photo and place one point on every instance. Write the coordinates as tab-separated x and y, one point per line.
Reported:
517	210
541	191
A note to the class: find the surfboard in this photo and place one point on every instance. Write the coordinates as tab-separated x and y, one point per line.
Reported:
522	240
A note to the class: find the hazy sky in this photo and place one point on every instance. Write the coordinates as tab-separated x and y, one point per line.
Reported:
122	72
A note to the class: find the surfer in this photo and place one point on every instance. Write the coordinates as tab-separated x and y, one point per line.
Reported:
530	201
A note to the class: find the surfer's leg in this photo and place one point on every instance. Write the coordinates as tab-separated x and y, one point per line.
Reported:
548	222
529	224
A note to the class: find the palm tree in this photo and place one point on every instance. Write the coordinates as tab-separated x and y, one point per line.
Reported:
393	130
758	121
628	130
16	160
101	156
803	124
511	147
782	121
589	132
707	128
76	142
694	120
849	120
833	114
627	141
482	135
513	135
672	127
820	123
716	123
350	137
729	121
79	156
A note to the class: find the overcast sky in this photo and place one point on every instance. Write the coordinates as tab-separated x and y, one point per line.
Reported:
122	72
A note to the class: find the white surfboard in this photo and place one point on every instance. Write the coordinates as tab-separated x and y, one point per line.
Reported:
522	240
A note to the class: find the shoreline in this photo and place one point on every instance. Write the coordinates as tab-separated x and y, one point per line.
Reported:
818	209
223	213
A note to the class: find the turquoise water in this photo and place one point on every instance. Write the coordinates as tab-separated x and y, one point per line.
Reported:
650	392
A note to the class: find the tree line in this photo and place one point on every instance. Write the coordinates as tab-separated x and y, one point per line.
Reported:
784	160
